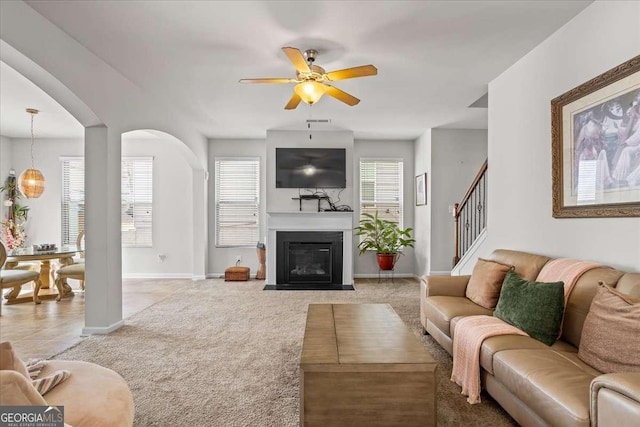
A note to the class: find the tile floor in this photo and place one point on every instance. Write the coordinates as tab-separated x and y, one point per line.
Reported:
41	331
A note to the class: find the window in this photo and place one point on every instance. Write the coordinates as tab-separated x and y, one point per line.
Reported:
237	196
381	189
136	201
72	199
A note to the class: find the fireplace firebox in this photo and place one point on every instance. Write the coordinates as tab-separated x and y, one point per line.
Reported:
309	260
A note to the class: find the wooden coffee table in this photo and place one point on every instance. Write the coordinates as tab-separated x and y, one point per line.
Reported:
361	366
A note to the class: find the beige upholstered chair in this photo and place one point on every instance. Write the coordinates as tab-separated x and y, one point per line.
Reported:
80	246
72	271
16	278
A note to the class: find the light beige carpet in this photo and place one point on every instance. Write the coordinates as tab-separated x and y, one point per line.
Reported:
226	354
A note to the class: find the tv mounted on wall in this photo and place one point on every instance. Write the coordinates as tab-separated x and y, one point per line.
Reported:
311	168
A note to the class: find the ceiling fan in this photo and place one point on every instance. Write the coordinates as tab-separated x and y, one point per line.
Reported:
312	80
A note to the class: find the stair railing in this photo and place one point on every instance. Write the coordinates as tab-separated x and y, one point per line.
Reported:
471	214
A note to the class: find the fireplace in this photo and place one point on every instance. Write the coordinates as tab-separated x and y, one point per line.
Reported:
309	260
319	251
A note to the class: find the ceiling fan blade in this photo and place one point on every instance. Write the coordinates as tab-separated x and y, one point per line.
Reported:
276	80
293	102
297	59
341	95
350	73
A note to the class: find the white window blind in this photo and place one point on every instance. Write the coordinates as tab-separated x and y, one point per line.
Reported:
72	200
381	189
237	201
136	202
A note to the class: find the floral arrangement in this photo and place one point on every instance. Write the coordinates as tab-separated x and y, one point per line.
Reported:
13	233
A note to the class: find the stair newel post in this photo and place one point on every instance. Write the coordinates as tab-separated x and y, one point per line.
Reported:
456	227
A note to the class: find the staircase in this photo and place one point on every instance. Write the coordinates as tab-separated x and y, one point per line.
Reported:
471	215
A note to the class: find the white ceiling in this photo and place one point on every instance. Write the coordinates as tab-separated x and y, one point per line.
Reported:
434	58
17	94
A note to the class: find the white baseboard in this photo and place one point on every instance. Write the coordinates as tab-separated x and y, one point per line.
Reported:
198	277
99	330
157	276
384	275
440	273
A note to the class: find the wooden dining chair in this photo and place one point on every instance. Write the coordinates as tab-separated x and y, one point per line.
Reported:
16	278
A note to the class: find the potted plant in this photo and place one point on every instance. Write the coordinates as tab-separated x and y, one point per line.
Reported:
385	237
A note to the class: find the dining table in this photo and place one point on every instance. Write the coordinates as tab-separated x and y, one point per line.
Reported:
63	254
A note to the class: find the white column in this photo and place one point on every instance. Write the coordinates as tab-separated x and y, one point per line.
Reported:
200	252
103	297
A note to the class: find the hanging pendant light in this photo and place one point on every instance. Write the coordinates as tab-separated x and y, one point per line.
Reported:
31	181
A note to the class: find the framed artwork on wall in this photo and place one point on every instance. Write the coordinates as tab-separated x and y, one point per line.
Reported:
595	144
421	189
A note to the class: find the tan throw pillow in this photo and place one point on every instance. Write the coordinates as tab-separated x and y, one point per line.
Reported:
485	282
609	341
9	361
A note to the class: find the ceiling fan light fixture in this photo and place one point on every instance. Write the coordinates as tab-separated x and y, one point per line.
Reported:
310	91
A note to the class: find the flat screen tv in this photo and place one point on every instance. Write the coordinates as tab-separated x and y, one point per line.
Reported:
311	168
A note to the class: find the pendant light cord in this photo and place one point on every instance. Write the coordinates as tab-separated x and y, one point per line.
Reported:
32	141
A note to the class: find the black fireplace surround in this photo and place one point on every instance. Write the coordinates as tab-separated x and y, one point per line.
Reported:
309	260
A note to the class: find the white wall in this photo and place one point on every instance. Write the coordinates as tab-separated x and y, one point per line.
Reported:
5	164
422	214
366	265
172	219
602	36
279	199
456	158
173	225
221	258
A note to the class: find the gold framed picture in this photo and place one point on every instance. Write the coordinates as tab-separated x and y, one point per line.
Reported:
595	141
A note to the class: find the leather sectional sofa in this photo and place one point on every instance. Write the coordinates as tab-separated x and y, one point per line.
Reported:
536	384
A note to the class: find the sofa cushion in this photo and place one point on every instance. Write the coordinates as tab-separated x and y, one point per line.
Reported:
9	361
92	396
534	307
629	284
555	385
491	346
527	265
441	309
485	282
579	302
610	337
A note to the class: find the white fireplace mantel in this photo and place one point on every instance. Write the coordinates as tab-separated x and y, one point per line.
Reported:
311	221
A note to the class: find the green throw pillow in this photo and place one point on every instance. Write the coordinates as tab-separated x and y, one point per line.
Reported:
534	307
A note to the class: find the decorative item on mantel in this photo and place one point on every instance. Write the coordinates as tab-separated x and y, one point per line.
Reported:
31	181
13	233
385	237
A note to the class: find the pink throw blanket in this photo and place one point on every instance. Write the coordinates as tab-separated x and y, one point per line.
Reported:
468	337
565	270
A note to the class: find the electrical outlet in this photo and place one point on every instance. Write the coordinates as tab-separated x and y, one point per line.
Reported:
238	258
